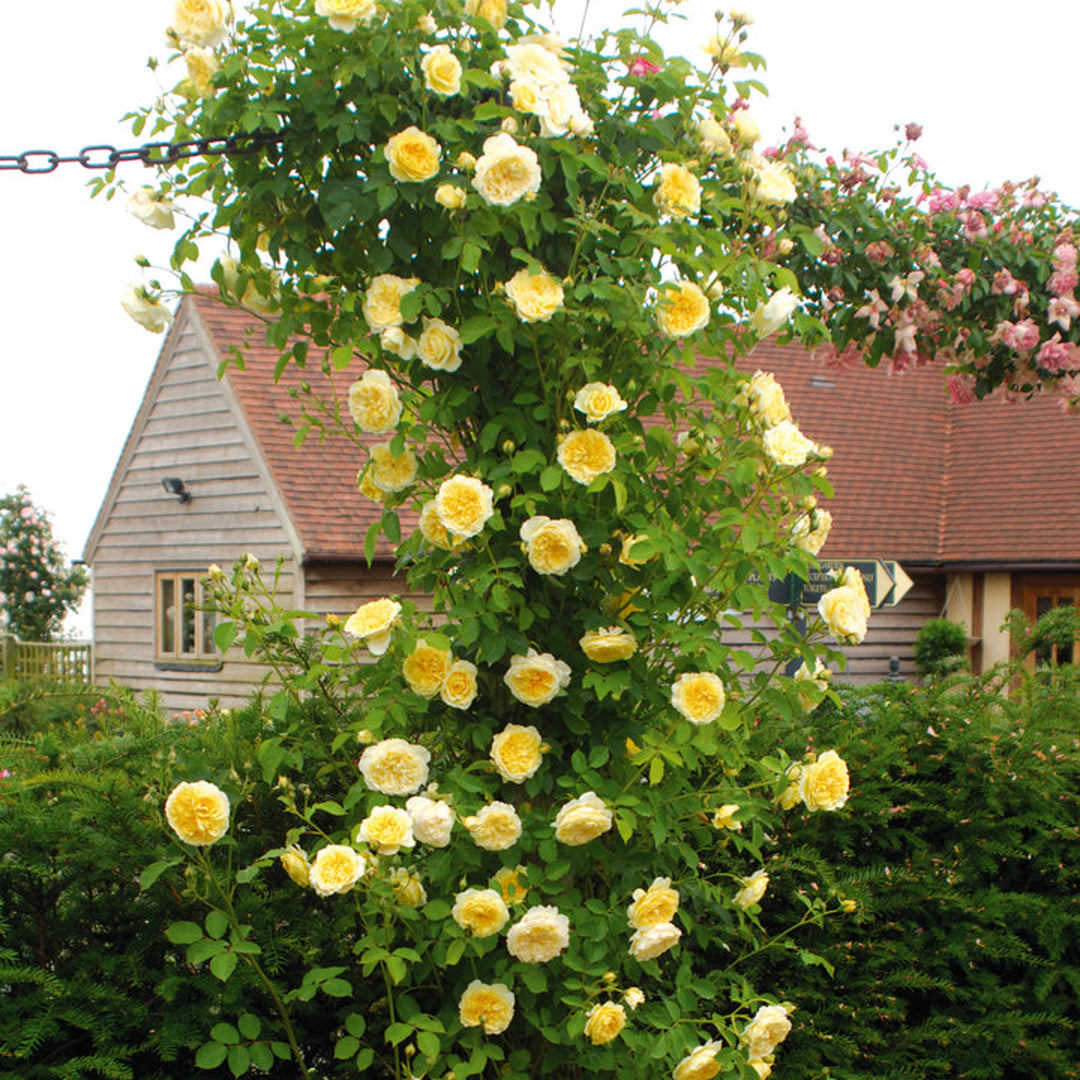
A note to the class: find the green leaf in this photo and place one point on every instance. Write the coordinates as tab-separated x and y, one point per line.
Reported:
239	1060
249	1025
200	951
428	1044
398	1033
225	634
224	1033
217	922
262	1057
154	871
364	1060
183	933
475	328
210	1055
346	1047
355	1024
338	988
656	770
223	965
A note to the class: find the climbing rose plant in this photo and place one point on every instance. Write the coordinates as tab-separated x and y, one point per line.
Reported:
523	267
37	586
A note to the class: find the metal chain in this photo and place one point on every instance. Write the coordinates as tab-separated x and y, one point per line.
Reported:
154	153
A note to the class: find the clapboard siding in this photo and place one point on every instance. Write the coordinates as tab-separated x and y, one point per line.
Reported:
340	588
187	428
891	632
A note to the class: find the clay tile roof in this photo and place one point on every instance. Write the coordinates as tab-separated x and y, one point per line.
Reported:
316	480
925	481
917	479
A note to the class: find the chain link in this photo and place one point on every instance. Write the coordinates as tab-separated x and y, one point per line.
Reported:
104	156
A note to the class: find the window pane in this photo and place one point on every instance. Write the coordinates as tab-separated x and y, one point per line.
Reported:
1065	652
208	618
166	614
187	616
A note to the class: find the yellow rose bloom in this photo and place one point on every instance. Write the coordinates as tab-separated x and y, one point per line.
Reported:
607	646
768	1029
506	172
536	678
201	64
805	678
603	1023
790	797
432	820
412	156
336	869
367	487
465	161
698	696
552	546
652	941
295	862
510	882
148	312
464	505
395	341
773	184
490	1005
494	827
408	889
657	904
678	192
442	71
762	1068
786	445
395	767
526	96
541	935
343	15
598	401
713	138
536	297
824	784
434	531
382	301
198	812
426	667
582	819
848	906
766	399
389	471
700	1064
516	752
746	128
683	310
846	609
201	22
374	403
634	997
480	911
373	622
724	818
585	455
774	313
809	531
387	829
459	687
450	196
753	889
494	11
439	346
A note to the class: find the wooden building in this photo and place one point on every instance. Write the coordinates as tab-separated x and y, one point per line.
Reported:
968	500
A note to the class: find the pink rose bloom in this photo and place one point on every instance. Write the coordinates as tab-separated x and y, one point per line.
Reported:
1065	257
1004	284
974	225
641	66
1062	282
961	389
1056	355
1021	335
984	200
1062	310
965	278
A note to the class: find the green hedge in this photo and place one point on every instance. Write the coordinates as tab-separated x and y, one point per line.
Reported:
959	846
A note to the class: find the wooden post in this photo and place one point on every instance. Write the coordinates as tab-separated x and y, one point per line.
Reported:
7	656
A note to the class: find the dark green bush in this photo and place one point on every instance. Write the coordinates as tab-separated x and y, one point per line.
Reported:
959	846
940	647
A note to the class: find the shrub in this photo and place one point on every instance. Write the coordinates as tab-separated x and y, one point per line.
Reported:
941	647
958	848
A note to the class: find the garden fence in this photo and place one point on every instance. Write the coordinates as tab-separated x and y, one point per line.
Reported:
66	661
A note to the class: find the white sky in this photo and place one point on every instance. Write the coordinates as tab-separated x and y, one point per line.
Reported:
991	83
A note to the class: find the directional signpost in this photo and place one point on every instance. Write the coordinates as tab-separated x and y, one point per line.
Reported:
885	581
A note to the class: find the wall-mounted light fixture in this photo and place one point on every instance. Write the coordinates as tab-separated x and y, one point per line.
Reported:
175	486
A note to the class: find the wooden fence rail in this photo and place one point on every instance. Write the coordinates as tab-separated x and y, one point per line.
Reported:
65	661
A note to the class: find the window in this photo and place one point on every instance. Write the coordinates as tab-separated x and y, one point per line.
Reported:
185	632
1040	595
